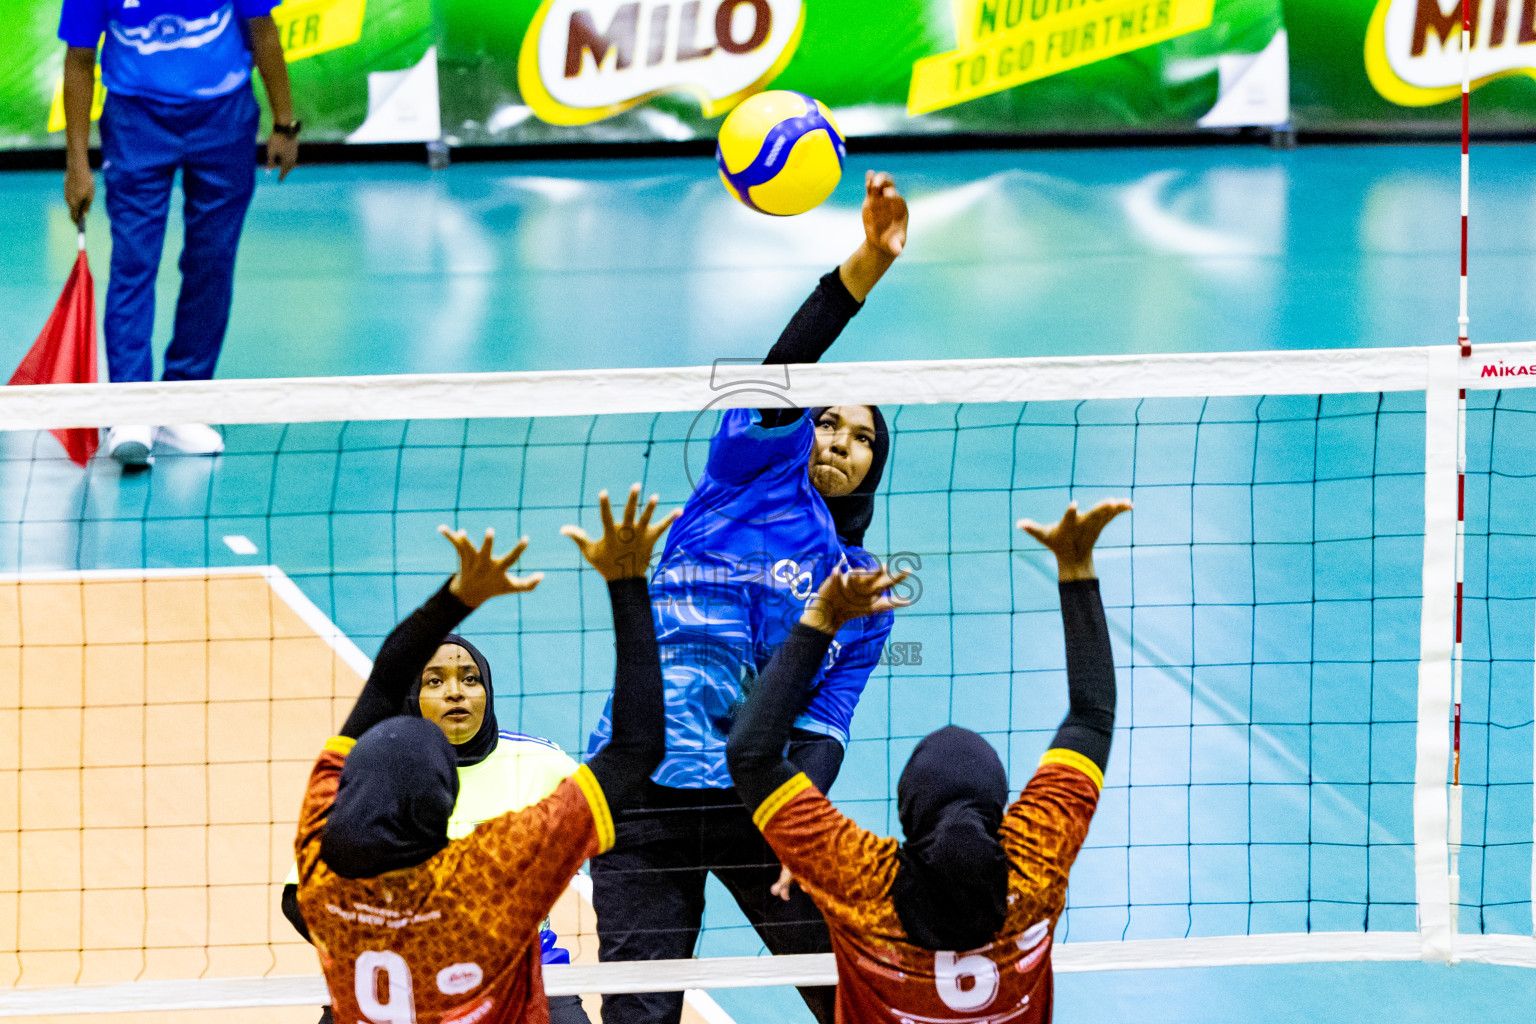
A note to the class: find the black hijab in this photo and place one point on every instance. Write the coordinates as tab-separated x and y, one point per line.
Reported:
951	888
392	806
853	512
479	746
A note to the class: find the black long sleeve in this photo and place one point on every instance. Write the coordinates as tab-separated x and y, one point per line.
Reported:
810	332
818	755
755	751
639	707
401	660
290	907
1090	722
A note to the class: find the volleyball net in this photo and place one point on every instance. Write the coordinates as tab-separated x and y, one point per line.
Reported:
177	644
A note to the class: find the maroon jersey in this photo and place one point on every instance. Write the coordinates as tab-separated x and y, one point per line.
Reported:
881	976
453	940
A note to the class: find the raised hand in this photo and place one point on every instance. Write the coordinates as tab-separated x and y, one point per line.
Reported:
1072	537
481	574
845	596
885	214
623	551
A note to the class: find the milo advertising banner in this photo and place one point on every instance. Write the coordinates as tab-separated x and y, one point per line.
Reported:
532	71
524	71
558	70
1396	65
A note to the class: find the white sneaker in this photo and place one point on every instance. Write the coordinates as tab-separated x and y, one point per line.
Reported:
190	438
130	446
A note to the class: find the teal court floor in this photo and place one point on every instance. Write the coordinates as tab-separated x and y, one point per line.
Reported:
1264	596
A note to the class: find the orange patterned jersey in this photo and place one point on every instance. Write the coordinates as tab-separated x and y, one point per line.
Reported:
881	976
453	940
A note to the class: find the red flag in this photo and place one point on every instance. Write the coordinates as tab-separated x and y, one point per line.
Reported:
65	353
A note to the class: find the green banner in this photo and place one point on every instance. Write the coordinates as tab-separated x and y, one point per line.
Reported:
561	70
531	71
1396	65
333	46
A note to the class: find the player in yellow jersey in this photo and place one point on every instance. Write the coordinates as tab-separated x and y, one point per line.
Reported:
956	923
410	925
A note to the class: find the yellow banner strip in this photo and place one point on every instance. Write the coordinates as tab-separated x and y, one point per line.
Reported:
1078	36
308	27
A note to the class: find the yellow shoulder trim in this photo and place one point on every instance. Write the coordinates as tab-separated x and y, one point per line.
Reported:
1072	759
778	798
601	816
340	744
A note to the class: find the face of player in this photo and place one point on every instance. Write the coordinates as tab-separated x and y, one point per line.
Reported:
452	694
844	449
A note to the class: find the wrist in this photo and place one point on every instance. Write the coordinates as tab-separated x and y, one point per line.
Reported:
1076	572
454	589
813	619
878	258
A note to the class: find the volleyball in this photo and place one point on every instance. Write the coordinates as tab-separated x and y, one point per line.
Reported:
780	153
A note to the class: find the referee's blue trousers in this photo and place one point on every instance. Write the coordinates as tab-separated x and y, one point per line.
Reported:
143	142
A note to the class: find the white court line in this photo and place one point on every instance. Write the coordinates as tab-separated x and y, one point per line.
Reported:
284	587
279	582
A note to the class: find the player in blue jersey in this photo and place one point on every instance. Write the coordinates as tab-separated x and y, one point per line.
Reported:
784	499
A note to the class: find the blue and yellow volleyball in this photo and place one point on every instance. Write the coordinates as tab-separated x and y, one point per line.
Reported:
781	153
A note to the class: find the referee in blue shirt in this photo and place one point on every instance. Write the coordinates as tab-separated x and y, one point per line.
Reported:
177	74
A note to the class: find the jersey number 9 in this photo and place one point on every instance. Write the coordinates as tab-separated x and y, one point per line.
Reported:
399	1004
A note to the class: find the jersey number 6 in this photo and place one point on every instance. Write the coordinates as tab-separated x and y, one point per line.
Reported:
965	982
400	1005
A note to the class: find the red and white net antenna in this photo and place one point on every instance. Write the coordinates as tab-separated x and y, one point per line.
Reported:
1454	824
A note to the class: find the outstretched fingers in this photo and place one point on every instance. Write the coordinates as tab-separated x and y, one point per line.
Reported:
869	583
654	533
1100	515
867	592
605	511
506	561
624	549
481	574
630	504
1072	538
523	584
468	554
650	509
1034	529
